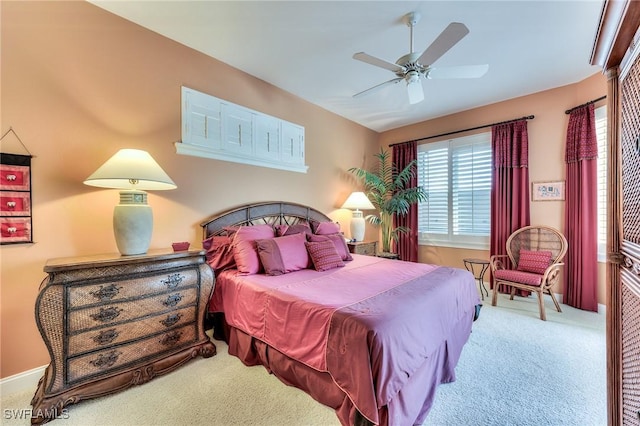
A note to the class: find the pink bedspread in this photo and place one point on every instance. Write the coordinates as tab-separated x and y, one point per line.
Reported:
370	325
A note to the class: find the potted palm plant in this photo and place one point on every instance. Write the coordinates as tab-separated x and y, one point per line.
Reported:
387	189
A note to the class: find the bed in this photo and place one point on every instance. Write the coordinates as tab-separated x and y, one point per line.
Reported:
371	337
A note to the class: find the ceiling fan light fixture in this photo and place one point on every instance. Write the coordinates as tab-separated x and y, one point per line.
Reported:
414	88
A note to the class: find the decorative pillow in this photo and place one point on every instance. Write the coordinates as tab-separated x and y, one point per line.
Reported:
298	228
534	261
244	247
281	255
337	240
324	255
219	253
325	228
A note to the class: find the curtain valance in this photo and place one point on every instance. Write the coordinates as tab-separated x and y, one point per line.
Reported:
514	153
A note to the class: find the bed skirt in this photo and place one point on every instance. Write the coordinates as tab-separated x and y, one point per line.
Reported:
410	405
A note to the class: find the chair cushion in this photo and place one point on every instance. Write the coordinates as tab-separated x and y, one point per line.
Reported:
518	276
534	261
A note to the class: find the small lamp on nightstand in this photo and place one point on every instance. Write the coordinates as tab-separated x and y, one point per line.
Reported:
133	171
355	202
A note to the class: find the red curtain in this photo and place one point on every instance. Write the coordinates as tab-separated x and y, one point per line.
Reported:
510	184
407	245
581	213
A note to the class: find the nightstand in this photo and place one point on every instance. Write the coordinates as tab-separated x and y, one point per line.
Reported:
111	322
363	247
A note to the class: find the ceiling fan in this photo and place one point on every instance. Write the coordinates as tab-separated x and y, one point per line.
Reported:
413	66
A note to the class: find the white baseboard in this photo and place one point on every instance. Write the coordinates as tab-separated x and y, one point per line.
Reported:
602	309
22	382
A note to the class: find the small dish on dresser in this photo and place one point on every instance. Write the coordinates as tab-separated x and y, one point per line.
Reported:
181	246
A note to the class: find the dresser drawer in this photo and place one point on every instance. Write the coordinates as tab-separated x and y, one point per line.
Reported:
108	314
107	336
120	356
82	295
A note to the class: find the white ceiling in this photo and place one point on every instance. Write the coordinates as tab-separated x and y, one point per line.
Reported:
306	48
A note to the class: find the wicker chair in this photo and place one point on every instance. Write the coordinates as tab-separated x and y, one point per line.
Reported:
536	253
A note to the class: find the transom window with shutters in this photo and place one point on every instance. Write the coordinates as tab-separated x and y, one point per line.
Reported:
456	174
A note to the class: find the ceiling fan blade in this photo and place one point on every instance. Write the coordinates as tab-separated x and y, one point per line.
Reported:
378	87
445	41
463	71
372	60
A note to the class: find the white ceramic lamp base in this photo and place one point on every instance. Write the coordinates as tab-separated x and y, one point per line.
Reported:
357	226
133	223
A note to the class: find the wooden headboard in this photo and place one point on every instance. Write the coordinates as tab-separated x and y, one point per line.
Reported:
271	213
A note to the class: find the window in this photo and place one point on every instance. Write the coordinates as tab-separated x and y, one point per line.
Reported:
601	134
456	174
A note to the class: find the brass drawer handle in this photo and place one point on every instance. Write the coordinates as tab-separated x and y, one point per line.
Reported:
106	336
106	293
173	281
171	338
173	300
106	315
105	361
171	320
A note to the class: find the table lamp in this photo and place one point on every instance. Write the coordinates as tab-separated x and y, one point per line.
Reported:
355	202
133	171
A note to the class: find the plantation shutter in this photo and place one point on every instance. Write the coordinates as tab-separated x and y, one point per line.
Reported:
471	186
601	135
433	176
456	174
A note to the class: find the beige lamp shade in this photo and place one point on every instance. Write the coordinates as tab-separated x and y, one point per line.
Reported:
358	201
132	171
355	202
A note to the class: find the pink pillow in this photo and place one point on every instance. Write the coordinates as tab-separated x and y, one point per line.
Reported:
281	255
298	228
534	261
324	255
337	240
219	253
244	247
325	228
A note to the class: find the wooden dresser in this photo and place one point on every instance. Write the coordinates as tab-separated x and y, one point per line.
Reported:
111	322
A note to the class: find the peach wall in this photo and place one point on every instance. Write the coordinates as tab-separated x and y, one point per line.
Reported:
547	133
79	83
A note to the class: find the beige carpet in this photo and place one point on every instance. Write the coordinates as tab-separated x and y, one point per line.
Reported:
515	370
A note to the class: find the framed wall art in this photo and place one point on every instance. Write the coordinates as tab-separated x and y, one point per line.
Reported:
547	191
15	197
